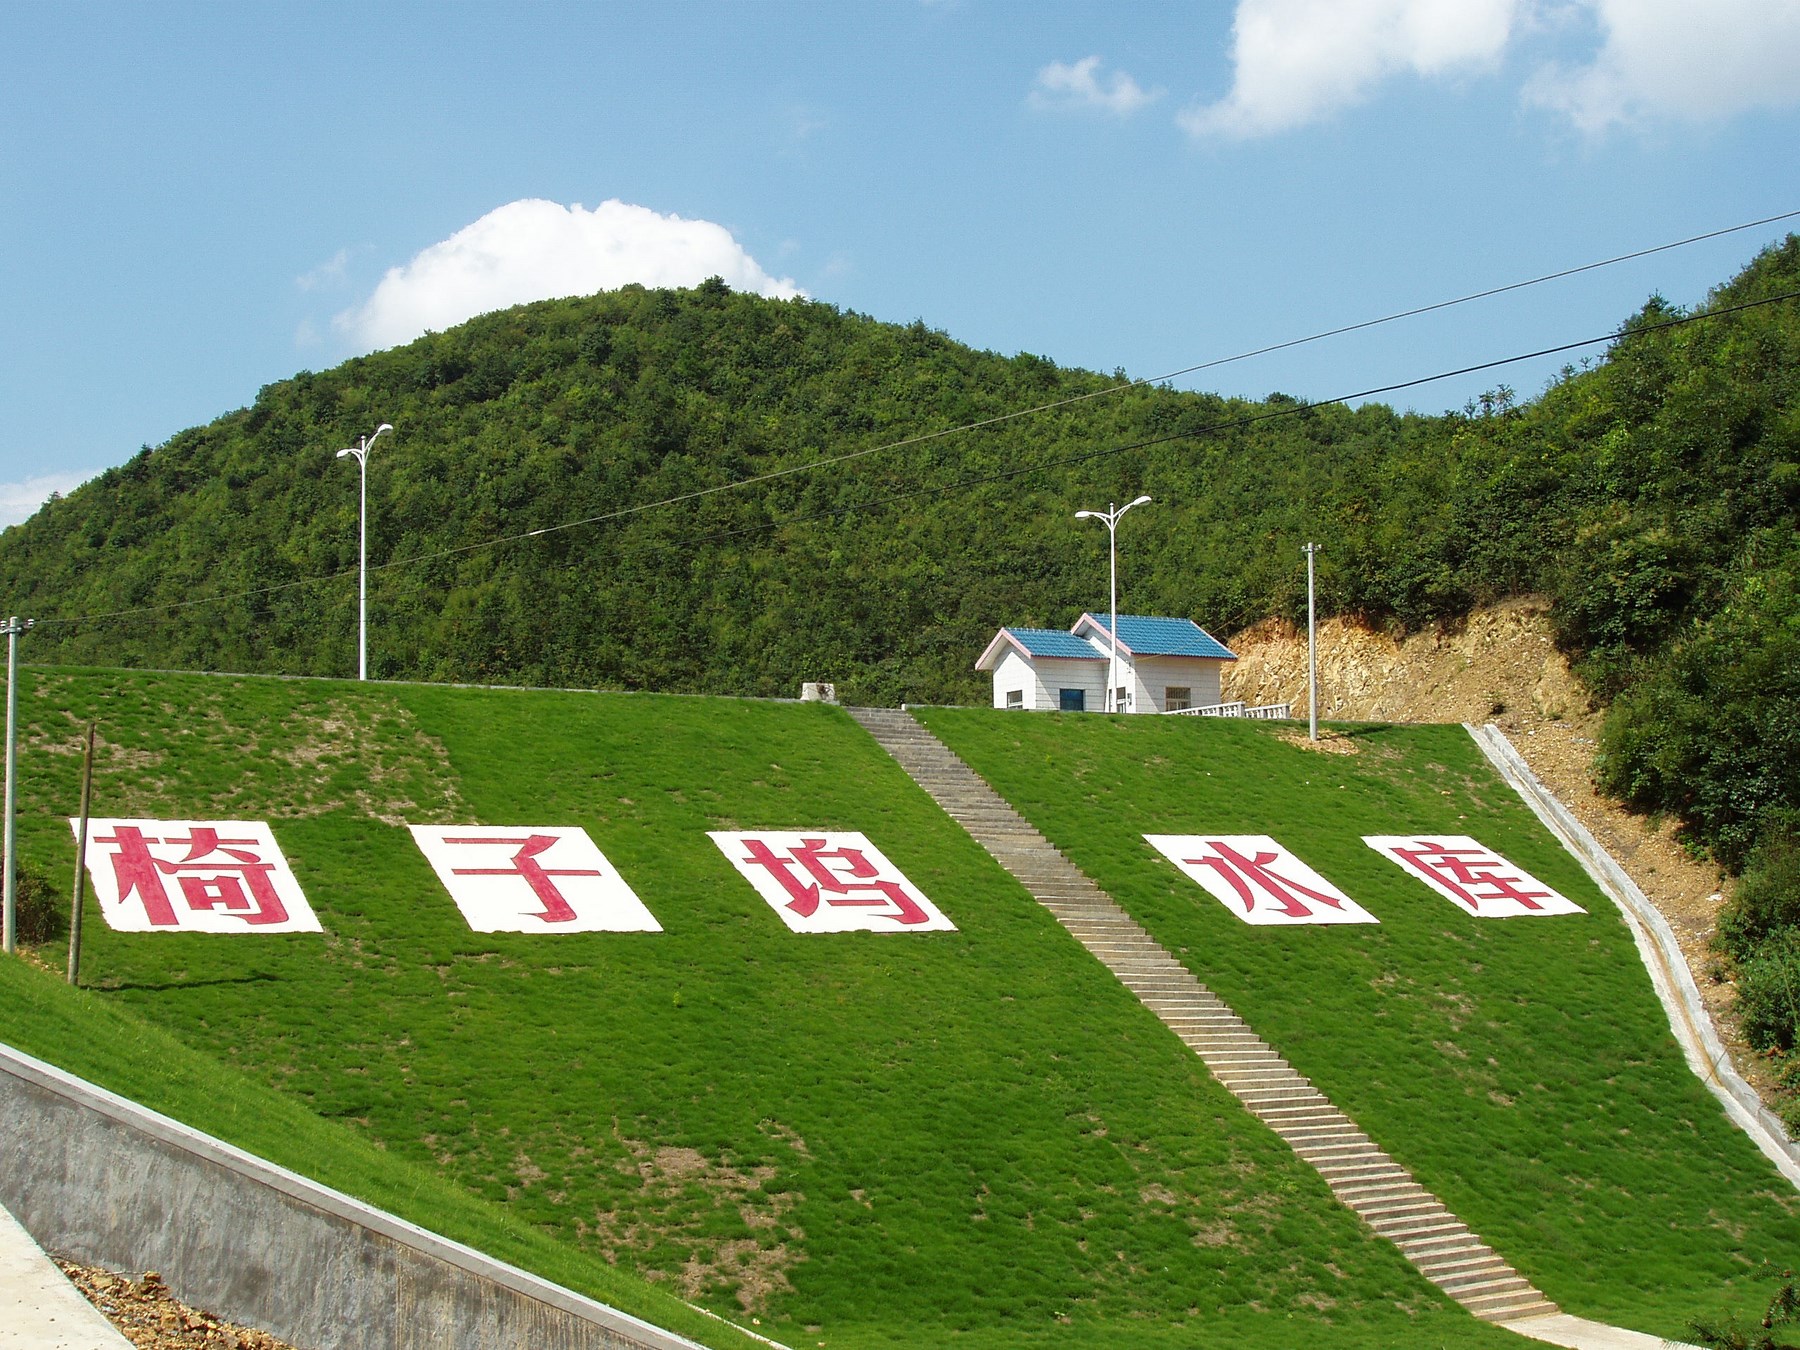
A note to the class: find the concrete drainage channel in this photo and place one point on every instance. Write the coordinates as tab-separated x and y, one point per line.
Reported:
1660	952
113	1184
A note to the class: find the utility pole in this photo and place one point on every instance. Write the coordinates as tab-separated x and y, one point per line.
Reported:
81	837
1312	649
12	628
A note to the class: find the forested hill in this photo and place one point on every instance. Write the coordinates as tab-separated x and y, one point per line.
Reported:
1654	496
887	572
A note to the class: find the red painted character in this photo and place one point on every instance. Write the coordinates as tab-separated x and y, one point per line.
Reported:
216	874
809	876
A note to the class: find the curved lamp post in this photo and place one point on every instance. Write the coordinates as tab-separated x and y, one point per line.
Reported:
1111	518
360	453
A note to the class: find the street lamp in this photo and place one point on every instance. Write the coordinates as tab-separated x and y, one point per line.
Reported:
13	627
360	453
1111	517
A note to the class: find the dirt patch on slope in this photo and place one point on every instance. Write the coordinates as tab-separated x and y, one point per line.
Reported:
152	1318
1501	665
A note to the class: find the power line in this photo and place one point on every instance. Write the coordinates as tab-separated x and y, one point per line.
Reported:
1217	428
983	423
1232	424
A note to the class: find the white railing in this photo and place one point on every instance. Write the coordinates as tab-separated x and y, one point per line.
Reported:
1266	711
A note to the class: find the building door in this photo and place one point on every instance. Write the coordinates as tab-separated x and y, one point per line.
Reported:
1074	700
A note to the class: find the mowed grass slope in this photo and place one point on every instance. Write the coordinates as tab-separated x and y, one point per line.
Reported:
89	1035
1522	1068
856	1140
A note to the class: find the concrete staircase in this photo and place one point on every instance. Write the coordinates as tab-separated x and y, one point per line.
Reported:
1359	1173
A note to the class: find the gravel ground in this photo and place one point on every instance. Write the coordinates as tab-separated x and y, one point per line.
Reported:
151	1318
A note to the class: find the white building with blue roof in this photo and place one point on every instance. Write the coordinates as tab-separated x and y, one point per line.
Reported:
1164	665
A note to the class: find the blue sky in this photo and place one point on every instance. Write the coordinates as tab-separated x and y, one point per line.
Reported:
201	199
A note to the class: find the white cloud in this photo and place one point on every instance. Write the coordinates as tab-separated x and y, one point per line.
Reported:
1299	61
539	250
19	500
1686	59
1078	85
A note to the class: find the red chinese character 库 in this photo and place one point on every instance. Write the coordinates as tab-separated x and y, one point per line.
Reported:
830	881
532	879
193	876
1476	878
1258	880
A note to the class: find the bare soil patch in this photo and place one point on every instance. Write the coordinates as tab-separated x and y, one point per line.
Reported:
1501	665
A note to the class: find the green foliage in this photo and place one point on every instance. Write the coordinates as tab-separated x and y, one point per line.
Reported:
1769	992
1766	898
35	912
1711	731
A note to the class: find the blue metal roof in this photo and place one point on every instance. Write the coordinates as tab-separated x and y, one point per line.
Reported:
1053	642
1140	635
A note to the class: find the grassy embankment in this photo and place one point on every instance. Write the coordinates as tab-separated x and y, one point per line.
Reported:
1522	1068
861	1140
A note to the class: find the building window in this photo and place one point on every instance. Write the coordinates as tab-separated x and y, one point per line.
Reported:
1122	699
1176	697
1015	698
1074	700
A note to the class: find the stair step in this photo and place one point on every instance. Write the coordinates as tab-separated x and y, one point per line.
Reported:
1359	1173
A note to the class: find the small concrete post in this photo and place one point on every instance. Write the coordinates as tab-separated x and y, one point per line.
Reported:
1312	650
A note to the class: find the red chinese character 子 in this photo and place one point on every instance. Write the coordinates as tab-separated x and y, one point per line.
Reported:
811	873
1243	874
1471	874
537	876
215	874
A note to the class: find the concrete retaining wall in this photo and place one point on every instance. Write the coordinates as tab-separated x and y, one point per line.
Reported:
93	1176
1706	1054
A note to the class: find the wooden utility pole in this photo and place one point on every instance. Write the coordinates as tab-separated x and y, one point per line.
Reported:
87	796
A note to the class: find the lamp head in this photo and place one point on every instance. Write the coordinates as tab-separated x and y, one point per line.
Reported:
351	451
1089	515
1140	501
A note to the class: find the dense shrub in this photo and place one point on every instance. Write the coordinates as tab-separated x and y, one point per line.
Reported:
1767	899
35	912
1769	993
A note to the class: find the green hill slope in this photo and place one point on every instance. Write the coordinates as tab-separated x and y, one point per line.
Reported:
859	1140
1522	1069
91	1036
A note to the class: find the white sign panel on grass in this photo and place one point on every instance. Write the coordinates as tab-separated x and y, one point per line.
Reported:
1476	878
193	876
829	881
1258	880
532	879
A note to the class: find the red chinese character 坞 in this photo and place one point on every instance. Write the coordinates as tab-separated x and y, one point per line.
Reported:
852	882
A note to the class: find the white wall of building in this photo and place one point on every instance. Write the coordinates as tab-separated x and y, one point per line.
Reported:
1043	681
1014	674
1151	677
